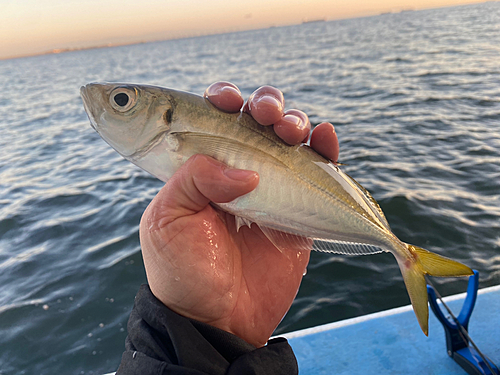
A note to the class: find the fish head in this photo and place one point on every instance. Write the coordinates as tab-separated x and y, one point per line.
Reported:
128	117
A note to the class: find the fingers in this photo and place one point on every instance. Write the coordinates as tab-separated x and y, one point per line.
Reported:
199	181
293	127
266	105
225	96
325	142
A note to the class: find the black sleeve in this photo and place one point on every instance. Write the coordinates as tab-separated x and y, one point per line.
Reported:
160	341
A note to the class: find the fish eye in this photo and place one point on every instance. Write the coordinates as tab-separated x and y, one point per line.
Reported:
123	98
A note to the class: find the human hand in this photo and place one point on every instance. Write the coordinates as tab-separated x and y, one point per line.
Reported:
266	105
196	262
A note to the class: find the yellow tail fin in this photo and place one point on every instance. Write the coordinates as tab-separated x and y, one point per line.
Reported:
424	263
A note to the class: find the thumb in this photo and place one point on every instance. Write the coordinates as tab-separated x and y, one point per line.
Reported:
198	182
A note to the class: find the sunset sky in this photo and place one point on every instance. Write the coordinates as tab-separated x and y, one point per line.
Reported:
36	26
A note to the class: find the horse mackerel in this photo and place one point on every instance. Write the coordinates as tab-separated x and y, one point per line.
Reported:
302	199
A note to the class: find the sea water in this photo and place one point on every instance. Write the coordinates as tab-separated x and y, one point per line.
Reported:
414	97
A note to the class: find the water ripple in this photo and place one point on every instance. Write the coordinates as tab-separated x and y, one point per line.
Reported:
414	97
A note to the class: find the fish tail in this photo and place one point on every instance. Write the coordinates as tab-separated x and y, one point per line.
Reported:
414	268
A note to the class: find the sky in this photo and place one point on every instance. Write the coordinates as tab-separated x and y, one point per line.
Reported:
36	26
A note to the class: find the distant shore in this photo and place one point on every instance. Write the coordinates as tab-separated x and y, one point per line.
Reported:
72	49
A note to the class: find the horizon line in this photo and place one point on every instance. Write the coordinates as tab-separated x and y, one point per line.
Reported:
56	51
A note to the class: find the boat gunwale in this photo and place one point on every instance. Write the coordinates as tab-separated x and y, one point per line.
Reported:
363	318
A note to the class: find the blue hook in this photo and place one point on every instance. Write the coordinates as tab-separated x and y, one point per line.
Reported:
457	345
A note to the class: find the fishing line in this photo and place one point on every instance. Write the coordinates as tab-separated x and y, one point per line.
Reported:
462	331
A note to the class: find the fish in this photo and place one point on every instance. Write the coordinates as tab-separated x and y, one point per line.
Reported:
302	198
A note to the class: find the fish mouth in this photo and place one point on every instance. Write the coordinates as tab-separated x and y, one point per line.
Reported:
87	104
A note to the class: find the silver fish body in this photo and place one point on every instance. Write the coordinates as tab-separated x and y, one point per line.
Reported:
300	194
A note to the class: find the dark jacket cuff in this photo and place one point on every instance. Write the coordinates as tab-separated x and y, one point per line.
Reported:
160	341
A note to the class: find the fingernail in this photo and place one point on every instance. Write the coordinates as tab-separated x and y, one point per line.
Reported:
211	90
240	174
217	88
298	121
267	100
233	90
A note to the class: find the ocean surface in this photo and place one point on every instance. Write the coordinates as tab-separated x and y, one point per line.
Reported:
415	99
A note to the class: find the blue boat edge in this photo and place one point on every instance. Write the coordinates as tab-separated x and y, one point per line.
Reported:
390	341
